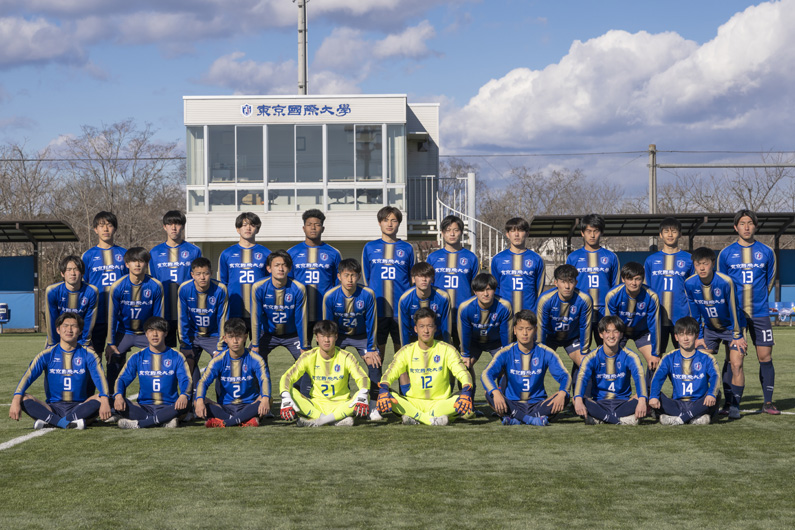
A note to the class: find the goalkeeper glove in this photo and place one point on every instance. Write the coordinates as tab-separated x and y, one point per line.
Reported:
288	407
385	399
361	405
463	405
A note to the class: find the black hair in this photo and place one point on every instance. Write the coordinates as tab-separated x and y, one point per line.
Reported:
527	316
252	218
424	312
566	272
702	253
449	220
314	214
671	222
67	315
71	258
281	253
384	212
235	327
201	262
108	217
745	213
325	327
686	326
517	223
594	220
350	264
631	269
174	217
614	320
423	269
483	281
158	323
137	254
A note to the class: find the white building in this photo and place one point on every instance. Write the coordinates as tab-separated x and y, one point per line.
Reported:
279	156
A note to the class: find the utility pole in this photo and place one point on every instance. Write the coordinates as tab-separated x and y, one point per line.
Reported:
652	178
302	46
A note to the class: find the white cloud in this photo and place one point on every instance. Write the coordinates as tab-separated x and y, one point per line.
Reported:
409	43
35	41
250	77
623	89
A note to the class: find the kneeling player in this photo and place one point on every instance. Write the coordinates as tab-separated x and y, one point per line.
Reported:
429	363
609	370
525	363
163	379
244	390
694	376
330	370
67	367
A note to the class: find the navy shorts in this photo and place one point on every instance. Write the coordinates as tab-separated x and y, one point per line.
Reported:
476	349
359	342
200	344
760	330
388	327
64	408
713	338
268	342
570	346
640	339
126	342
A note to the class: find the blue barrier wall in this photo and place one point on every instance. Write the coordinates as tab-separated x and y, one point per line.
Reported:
23	308
16	290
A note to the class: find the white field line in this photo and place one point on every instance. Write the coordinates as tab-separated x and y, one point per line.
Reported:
19	440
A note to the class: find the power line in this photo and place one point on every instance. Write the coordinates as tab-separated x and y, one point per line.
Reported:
498	155
92	159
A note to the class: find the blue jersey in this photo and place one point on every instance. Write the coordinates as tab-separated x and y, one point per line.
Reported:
640	314
666	275
171	267
102	268
61	300
355	315
202	314
454	273
162	377
525	373
278	311
753	270
239	269
565	320
599	272
386	267
610	375
714	305
483	326
66	374
438	302
131	305
520	278
316	269
243	380
691	377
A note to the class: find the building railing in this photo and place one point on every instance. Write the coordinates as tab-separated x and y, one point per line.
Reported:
484	240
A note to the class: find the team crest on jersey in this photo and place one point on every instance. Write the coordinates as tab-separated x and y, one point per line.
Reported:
184	254
337	368
84	301
680	264
359	304
211	299
78	361
119	258
258	256
288	297
758	255
494	317
324	256
464	262
401	253
147	293
717	292
528	263
697	366
618	365
604	260
167	363
436	358
435	307
573	310
641	305
535	361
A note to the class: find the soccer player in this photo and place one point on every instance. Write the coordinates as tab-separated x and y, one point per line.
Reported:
752	266
429	363
314	264
455	267
244	386
609	369
278	311
164	382
72	295
666	272
525	363
202	311
171	265
695	380
386	263
519	270
714	304
424	294
133	299
67	367
565	317
484	322
598	267
353	308
103	265
330	399
638	307
242	265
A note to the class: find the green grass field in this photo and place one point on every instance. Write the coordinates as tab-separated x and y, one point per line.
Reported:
475	474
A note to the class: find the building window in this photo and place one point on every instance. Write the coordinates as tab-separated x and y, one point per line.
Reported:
196	201
249	154
308	199
195	156
395	197
396	138
281	153
341	199
222	200
250	200
281	200
369	165
340	153
309	153
369	199
222	154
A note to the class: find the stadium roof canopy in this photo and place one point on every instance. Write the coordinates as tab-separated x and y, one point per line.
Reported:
36	232
648	225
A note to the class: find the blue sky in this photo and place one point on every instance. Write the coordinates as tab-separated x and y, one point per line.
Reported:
512	76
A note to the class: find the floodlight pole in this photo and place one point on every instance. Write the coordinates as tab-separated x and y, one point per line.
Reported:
652	187
302	47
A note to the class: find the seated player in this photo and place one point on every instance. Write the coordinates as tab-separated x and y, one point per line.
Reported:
424	294
525	363
429	363
202	312
565	317
330	400
132	300
72	295
713	303
638	307
695	379
279	312
353	308
164	383
244	388
484	322
67	367
609	369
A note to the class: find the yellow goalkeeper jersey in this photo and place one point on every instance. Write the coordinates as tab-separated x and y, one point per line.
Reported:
429	370
330	378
